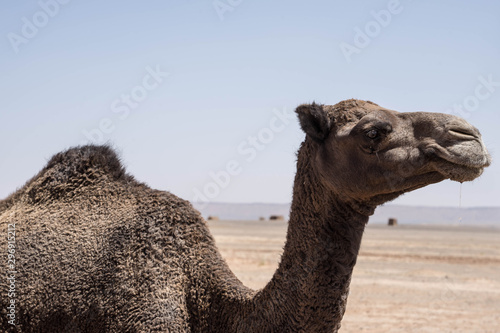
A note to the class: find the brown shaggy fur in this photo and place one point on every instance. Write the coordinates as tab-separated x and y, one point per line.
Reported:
97	251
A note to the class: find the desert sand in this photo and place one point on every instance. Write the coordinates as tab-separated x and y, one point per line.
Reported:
407	278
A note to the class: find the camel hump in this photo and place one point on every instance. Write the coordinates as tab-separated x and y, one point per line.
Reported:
75	169
86	161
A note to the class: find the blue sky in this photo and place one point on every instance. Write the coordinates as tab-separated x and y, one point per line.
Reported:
197	95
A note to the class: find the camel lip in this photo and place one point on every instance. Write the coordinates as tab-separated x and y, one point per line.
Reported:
455	167
463	133
470	164
473	162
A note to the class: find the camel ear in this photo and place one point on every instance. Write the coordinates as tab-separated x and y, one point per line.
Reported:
314	121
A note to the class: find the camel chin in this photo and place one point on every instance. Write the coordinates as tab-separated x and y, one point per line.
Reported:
461	173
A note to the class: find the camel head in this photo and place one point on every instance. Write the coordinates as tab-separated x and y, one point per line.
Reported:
369	155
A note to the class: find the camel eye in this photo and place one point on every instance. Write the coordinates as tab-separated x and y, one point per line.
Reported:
372	134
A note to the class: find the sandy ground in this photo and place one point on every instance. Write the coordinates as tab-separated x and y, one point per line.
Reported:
407	279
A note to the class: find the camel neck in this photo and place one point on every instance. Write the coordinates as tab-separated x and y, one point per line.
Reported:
309	290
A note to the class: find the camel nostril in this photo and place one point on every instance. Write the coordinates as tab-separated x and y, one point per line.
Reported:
463	133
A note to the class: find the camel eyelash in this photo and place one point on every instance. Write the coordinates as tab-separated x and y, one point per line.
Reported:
376	131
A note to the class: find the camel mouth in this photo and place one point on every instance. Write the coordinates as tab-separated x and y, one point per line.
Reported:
464	161
462	155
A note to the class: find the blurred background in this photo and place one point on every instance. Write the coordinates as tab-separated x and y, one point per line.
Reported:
189	92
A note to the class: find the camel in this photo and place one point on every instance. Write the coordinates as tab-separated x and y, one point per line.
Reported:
98	251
